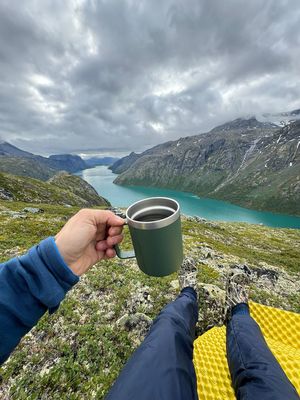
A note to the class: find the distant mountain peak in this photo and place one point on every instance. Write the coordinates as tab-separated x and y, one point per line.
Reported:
11	150
244	123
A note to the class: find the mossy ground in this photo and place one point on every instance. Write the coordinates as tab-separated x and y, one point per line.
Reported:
77	352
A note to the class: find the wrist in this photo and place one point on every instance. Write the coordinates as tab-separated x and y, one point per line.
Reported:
69	263
54	260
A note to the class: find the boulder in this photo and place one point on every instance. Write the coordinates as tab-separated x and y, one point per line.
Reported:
33	210
137	324
211	307
5	194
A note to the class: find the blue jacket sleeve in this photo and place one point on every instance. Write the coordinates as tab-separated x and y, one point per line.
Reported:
29	286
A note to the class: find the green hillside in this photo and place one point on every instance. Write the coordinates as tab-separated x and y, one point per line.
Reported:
65	190
77	352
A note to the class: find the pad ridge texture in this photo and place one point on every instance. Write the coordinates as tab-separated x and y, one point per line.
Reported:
281	330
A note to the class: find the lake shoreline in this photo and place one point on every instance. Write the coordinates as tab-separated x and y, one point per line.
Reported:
101	178
211	198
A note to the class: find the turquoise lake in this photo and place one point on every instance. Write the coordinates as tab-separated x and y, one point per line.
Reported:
101	178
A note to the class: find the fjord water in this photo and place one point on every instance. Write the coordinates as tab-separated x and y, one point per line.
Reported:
101	178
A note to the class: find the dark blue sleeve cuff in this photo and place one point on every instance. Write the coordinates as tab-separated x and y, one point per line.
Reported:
52	257
48	250
47	275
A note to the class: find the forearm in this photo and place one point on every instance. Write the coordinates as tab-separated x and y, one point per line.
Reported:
29	286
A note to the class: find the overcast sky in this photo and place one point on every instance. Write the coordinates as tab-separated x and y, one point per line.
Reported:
128	74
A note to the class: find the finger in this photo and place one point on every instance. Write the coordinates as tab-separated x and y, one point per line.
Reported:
113	240
101	245
115	230
110	253
101	255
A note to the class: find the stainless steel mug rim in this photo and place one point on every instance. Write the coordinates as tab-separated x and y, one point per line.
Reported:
153	202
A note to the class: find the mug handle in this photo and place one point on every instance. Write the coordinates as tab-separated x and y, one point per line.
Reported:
123	253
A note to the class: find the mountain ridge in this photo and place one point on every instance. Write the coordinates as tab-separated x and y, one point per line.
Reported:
232	165
19	162
23	163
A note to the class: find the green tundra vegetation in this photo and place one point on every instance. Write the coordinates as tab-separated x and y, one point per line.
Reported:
62	189
77	352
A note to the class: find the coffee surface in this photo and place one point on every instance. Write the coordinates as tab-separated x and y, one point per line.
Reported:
154	216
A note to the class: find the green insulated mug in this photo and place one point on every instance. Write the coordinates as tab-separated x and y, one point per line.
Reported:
155	230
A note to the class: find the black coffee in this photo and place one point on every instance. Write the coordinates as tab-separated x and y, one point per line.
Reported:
144	217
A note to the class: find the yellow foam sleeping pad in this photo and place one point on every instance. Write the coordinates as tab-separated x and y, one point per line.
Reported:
281	330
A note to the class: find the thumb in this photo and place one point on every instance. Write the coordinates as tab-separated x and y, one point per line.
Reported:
106	217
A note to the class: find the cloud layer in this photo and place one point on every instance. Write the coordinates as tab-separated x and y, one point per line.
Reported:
128	74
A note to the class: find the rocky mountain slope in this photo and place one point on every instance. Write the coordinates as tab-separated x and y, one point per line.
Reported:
124	163
64	189
25	166
19	162
79	187
7	149
77	352
247	162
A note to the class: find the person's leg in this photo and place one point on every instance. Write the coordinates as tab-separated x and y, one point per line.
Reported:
162	367
255	372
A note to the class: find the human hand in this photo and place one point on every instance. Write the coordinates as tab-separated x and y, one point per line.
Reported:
88	237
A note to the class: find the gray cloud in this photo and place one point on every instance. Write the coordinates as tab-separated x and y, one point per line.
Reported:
127	74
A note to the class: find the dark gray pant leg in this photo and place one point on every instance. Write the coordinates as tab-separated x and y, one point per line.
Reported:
255	372
162	367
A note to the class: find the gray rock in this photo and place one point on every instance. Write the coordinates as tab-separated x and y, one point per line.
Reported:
14	214
33	210
137	325
19	215
242	267
134	321
206	252
199	219
195	218
211	307
268	273
140	299
5	194
110	315
174	284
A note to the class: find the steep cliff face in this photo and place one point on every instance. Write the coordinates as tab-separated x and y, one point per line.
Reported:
270	174
248	162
